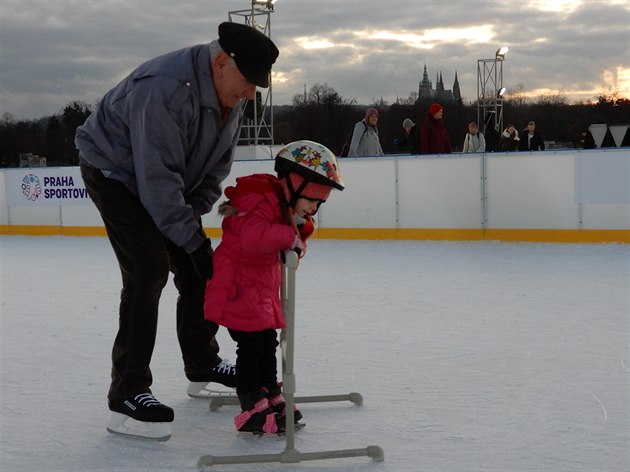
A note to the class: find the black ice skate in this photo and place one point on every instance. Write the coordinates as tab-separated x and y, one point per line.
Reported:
224	374
277	403
257	417
141	415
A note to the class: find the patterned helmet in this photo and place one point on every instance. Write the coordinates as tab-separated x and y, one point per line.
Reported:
313	161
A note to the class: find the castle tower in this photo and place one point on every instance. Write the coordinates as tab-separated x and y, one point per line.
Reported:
425	88
426	91
457	94
439	86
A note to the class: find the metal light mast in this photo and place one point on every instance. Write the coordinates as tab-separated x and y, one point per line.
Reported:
490	91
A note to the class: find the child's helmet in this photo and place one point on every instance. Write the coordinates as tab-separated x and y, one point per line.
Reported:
313	161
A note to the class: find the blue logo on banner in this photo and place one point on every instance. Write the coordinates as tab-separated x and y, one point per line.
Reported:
31	187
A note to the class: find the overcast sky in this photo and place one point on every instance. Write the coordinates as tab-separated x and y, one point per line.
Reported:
56	51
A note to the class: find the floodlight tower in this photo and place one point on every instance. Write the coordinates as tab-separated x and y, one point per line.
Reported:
257	127
490	91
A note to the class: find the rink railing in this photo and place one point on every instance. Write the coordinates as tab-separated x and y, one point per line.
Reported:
548	196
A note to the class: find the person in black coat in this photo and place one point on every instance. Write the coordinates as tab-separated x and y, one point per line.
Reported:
585	139
531	139
509	139
409	140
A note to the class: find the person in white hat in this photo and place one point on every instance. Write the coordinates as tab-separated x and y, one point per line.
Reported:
409	140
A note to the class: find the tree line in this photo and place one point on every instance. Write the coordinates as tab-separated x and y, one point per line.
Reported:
324	116
51	137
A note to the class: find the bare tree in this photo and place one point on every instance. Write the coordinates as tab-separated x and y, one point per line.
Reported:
7	119
517	95
559	98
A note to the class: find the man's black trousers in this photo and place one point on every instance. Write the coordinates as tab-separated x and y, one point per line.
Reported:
145	258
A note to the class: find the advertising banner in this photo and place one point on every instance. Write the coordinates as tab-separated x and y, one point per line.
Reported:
45	186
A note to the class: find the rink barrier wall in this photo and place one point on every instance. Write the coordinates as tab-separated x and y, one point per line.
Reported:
579	196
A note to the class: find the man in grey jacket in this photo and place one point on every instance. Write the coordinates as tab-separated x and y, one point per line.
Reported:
153	156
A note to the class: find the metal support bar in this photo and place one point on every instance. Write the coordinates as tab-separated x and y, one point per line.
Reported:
484	194
291	455
353	397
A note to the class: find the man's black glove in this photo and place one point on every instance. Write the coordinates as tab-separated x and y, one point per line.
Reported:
202	260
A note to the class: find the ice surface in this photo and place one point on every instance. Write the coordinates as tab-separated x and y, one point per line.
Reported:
478	356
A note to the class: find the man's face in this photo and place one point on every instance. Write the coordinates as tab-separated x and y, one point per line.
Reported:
230	84
373	119
472	128
531	127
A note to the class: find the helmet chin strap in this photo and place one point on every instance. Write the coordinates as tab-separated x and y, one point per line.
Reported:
295	194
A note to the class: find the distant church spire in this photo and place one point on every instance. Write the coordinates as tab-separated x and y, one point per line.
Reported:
457	94
425	86
440	84
440	94
425	77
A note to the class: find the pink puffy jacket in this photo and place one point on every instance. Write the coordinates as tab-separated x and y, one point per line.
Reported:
244	293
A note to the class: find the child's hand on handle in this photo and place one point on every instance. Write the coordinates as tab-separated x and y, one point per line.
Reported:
298	246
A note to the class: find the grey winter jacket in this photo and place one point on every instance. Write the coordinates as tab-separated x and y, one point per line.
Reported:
474	143
159	133
365	141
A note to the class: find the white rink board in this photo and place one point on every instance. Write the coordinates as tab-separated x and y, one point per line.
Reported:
531	191
440	192
369	198
541	190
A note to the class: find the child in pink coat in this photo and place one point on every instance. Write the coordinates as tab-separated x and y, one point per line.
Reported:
264	216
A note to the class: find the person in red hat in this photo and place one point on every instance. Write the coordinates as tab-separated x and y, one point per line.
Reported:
433	134
265	216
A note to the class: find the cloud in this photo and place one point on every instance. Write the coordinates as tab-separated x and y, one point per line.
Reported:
428	39
59	51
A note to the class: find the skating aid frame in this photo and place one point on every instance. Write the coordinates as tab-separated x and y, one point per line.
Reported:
290	454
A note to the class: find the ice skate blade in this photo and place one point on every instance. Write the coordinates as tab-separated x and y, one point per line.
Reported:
201	390
269	436
127	426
